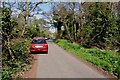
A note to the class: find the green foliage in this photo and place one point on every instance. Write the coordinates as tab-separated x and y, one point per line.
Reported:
7	22
107	60
33	31
0	75
14	51
101	26
95	24
65	17
20	49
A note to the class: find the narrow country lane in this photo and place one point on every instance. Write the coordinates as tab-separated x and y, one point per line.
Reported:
59	64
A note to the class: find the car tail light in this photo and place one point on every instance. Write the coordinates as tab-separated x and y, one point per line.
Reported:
32	47
45	45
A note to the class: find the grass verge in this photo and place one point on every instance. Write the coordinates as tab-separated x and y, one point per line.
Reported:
106	59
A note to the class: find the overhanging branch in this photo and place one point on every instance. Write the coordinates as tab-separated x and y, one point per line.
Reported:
35	6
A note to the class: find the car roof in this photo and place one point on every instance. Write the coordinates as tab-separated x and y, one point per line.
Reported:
39	38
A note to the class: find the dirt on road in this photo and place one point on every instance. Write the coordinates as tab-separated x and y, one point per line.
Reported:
32	73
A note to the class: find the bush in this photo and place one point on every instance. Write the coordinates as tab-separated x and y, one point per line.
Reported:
20	49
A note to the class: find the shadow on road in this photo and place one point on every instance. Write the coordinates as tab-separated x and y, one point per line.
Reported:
39	53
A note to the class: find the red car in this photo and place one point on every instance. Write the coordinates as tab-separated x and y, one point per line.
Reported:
39	44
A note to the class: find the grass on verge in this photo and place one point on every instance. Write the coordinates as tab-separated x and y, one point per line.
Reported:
106	59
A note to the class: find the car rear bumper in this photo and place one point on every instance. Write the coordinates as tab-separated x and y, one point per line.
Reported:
38	50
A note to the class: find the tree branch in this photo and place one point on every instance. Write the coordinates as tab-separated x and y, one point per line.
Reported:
35	6
99	32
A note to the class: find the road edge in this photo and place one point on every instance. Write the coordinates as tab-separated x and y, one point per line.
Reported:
92	66
32	73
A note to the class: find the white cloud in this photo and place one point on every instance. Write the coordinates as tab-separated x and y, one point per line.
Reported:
38	16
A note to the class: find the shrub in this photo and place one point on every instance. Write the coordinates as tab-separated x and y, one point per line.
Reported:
20	49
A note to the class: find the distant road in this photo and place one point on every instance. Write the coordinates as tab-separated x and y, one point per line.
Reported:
59	64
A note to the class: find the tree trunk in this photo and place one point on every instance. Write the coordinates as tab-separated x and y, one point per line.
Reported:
81	24
26	19
27	15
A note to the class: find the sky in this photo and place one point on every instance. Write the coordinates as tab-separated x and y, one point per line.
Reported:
45	7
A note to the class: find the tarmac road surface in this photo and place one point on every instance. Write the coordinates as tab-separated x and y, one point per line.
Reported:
60	64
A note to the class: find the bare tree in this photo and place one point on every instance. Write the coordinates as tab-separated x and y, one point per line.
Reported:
27	12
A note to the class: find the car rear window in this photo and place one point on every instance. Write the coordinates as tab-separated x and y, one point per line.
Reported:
39	41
